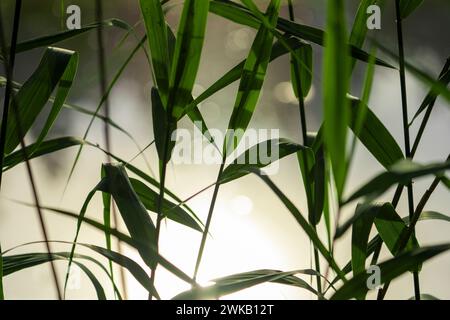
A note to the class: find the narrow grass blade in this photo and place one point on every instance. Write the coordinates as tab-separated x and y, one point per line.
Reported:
360	236
390	227
49	40
133	212
163	127
149	199
431	97
437	87
20	262
46	147
236	13
400	173
106	199
120	236
186	59
251	158
302	74
336	84
102	100
359	29
389	270
309	230
408	6
156	28
229	285
252	79
234	74
57	67
373	134
430	215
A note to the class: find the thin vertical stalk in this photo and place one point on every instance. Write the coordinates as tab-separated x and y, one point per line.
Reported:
106	131
209	218
9	61
301	107
162	182
401	51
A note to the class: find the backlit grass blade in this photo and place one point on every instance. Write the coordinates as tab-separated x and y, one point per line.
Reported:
251	158
156	28
252	79
430	215
20	262
359	29
49	40
149	199
389	270
362	225
106	199
120	236
138	273
408	6
373	134
241	15
335	87
234	74
437	87
46	147
186	58
133	212
61	95
400	173
102	100
57	68
163	127
390	228
228	285
309	230
302	74
431	97
144	176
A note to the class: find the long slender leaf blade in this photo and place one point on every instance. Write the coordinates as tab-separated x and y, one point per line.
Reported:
389	270
401	173
156	28
149	199
251	158
301	75
34	94
227	285
408	6
133	212
252	79
234	74
336	75
46	147
373	134
49	40
238	14
188	49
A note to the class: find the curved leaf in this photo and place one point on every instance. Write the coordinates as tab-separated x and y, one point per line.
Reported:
336	84
252	79
57	68
389	270
238	282
68	34
149	199
252	157
400	173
